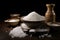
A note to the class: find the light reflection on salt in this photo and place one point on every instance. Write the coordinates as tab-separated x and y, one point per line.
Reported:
17	32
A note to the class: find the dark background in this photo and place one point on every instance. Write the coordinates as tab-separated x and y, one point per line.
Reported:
24	7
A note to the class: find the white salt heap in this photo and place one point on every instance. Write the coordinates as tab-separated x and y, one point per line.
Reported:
24	26
33	16
17	32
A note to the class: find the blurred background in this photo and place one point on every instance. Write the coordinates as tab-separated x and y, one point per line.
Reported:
23	7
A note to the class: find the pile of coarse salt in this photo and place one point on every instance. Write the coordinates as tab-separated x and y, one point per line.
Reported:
17	32
33	16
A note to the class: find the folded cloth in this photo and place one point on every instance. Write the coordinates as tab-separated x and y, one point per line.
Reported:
17	32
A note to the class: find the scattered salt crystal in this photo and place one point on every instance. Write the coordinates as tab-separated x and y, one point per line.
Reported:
17	32
33	16
32	30
49	36
45	34
23	25
42	36
42	30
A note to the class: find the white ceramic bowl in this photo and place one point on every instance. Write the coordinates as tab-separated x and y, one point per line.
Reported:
33	24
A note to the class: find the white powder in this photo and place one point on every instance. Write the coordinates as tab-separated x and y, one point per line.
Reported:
17	32
24	26
33	16
32	30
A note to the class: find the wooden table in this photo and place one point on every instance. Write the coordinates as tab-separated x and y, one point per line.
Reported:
4	35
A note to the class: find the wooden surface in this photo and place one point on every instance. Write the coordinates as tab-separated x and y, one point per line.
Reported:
4	31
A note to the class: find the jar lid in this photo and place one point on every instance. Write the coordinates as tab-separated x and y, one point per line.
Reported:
50	4
14	14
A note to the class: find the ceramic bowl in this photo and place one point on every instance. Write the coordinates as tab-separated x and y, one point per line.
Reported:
13	22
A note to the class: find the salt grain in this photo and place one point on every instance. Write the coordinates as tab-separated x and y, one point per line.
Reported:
33	16
17	32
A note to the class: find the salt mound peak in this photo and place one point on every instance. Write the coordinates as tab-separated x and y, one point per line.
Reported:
34	16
